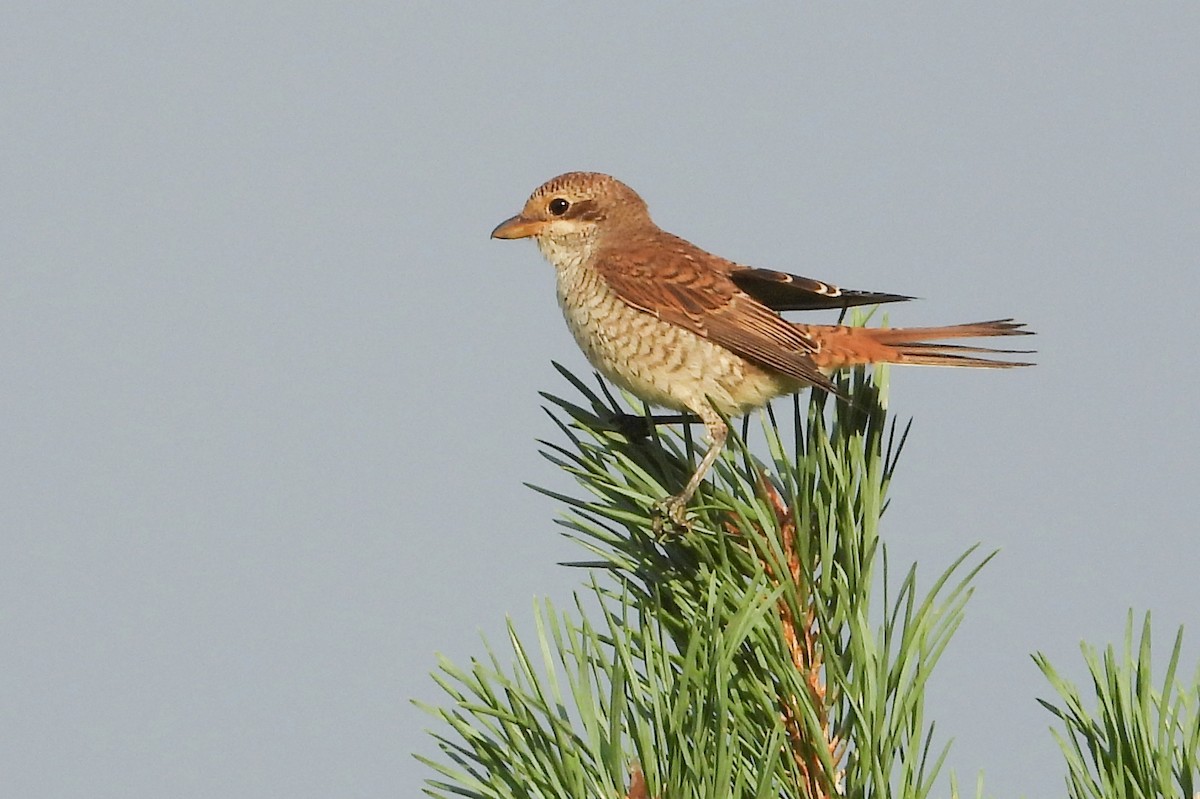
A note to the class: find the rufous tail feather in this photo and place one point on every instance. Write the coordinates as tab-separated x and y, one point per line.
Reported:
921	346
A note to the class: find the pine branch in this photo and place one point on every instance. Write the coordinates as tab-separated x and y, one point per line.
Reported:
1141	741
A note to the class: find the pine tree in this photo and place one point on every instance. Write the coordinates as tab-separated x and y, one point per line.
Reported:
768	650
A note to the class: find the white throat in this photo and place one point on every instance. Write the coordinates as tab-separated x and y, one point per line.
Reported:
566	253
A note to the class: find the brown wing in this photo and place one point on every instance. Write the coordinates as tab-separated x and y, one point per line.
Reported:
780	291
678	284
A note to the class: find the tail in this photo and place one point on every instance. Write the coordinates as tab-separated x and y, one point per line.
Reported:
853	346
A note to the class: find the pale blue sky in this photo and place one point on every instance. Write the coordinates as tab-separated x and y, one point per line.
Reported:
270	393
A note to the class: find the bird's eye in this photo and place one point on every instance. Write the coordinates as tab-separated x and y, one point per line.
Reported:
558	206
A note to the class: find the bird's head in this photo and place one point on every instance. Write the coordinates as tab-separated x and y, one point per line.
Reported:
575	210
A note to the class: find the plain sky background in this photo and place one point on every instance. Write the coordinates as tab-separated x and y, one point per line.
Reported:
269	392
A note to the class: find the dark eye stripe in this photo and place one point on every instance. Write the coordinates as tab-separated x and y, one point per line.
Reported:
585	210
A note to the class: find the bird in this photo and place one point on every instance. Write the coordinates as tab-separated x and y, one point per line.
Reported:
687	330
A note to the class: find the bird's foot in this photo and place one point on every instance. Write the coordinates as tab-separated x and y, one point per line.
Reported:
670	516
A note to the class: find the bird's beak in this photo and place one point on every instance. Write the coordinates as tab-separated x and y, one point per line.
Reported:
518	227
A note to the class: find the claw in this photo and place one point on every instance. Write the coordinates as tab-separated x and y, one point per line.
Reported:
670	516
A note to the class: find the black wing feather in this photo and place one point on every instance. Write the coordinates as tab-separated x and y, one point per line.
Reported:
780	291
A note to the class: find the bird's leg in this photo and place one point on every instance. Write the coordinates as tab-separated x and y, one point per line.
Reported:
675	508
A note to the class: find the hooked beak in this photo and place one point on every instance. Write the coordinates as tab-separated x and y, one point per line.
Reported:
518	227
